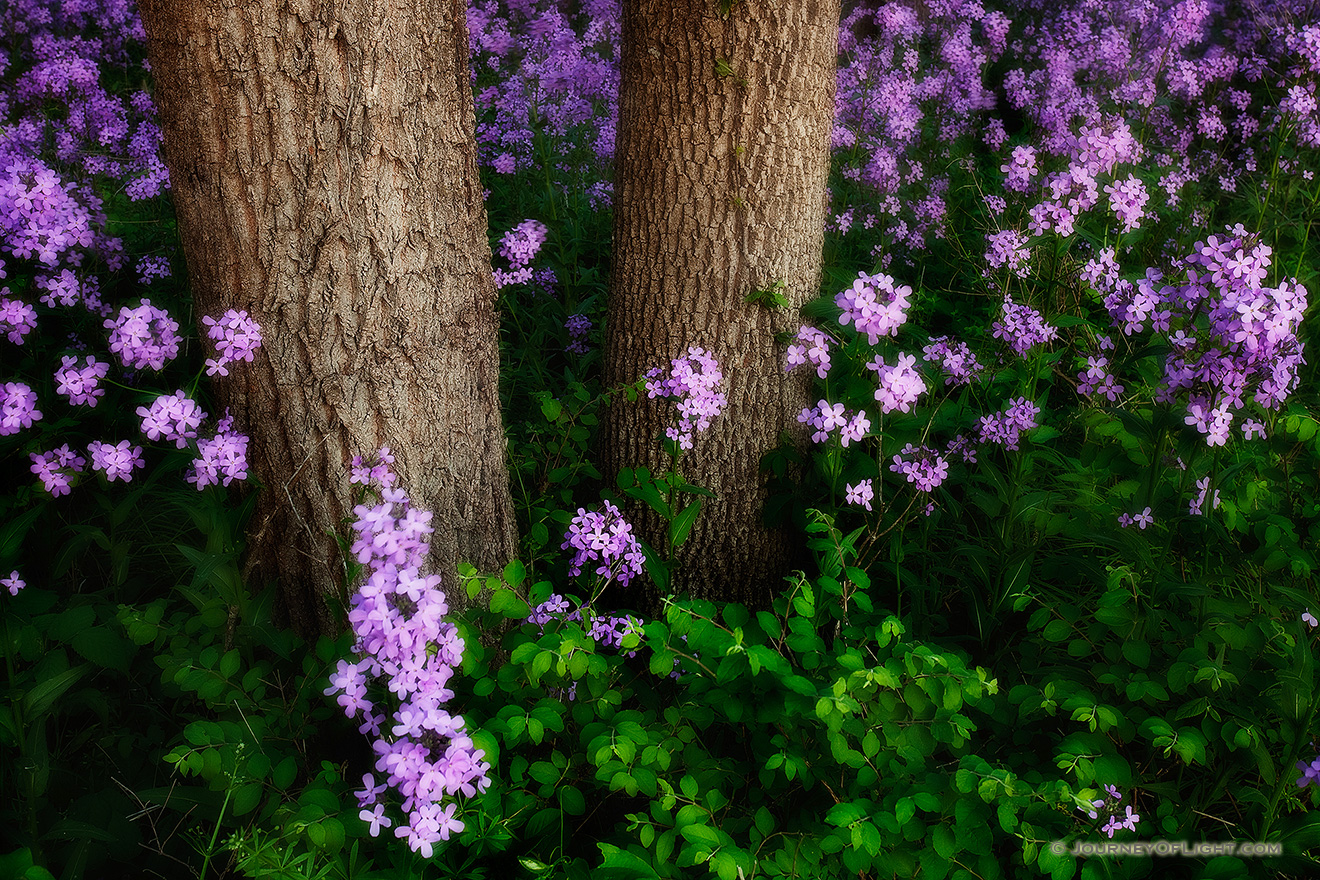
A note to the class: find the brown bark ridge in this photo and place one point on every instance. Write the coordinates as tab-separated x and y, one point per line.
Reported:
720	190
323	165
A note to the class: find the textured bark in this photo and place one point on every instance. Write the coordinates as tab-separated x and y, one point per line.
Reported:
720	190
323	163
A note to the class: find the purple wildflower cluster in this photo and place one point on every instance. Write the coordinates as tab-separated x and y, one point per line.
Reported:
406	655
1140	520
1310	769
693	380
955	360
144	336
900	385
606	539
1022	327
861	494
825	418
151	267
874	305
18	407
1231	339
236	337
1095	377
921	466
81	383
1008	248
810	346
555	73
578	327
520	246
604	629
1004	429
1114	820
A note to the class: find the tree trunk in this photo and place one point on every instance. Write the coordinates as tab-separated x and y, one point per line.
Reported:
323	164
720	190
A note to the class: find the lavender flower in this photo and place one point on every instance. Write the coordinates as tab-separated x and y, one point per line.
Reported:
171	417
17	318
520	244
812	346
57	468
874	305
236	336
404	643
607	539
862	493
693	380
955	360
13	583
80	384
900	384
1023	328
116	461
578	326
921	466
144	337
18	407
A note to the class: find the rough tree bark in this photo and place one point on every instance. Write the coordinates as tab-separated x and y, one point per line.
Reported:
720	190
323	164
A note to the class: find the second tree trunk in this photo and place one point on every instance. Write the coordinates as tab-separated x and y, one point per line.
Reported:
720	190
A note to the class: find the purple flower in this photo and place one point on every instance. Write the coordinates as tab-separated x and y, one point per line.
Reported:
1023	328
1310	618
607	539
954	359
1009	248
693	380
117	461
812	346
223	458
151	267
377	818
80	384
18	407
520	244
236	337
900	385
144	337
874	305
578	326
171	417
13	583
861	494
56	469
406	647
1006	428
17	318
921	466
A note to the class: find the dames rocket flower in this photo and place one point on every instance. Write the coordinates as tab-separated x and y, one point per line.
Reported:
607	539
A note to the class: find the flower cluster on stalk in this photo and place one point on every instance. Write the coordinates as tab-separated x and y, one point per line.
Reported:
693	380
398	686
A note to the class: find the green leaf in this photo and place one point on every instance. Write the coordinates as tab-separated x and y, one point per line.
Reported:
571	800
284	773
945	841
246	799
701	835
104	647
44	693
681	526
622	865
